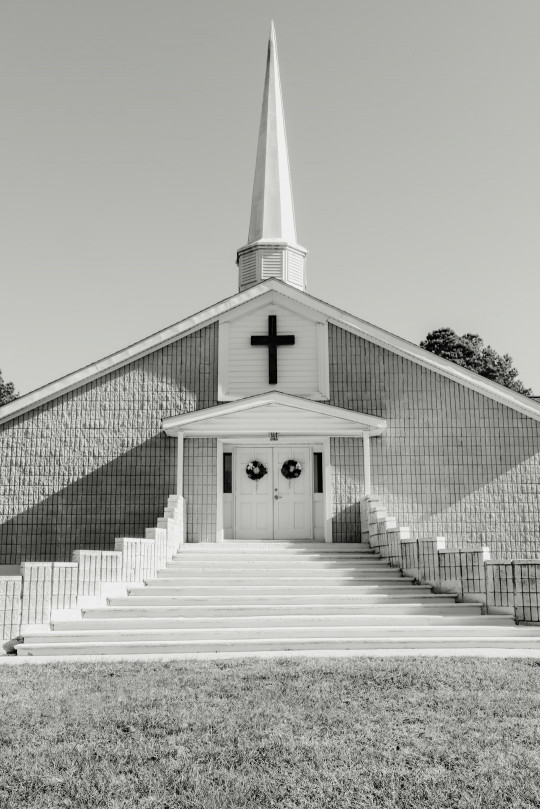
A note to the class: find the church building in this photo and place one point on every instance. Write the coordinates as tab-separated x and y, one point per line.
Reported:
271	413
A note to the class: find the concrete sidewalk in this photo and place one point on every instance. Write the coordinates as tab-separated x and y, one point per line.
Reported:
15	660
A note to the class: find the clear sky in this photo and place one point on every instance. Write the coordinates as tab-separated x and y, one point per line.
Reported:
128	135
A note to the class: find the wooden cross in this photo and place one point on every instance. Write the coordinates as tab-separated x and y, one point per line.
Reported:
273	340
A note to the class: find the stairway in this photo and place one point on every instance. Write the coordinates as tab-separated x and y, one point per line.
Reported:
278	597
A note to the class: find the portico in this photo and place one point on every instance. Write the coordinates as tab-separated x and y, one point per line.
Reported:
266	428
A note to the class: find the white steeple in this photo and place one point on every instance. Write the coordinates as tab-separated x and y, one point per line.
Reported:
272	250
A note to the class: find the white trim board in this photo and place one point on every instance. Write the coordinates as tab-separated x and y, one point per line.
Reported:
516	401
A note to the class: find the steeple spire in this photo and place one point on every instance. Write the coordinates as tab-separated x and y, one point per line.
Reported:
272	251
272	213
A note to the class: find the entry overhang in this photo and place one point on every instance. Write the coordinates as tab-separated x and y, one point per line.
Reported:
276	412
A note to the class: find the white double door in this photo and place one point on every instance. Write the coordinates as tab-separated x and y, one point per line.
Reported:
273	507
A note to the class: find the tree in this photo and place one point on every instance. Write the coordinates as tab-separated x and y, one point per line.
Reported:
7	391
470	352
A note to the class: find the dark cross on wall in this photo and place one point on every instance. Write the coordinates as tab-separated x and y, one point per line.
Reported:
273	340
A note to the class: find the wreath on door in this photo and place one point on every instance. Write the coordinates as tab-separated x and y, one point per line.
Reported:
255	470
291	469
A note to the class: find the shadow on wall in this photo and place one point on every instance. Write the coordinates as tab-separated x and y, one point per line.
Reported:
452	461
346	525
492	500
119	499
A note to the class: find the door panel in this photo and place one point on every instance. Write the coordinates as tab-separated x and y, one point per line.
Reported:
292	509
254	502
273	507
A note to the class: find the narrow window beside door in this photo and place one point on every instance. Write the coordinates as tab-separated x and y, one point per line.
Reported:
317	473
227	473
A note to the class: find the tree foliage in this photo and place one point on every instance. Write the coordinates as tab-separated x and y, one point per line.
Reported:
7	391
471	352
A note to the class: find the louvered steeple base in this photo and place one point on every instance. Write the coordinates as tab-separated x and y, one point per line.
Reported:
272	259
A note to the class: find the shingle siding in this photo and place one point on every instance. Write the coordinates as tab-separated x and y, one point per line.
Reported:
452	462
94	464
200	488
347	460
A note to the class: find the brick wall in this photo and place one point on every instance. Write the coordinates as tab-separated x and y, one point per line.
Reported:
452	462
200	488
94	464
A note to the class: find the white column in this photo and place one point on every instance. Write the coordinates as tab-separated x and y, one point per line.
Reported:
328	492
180	465
219	499
367	465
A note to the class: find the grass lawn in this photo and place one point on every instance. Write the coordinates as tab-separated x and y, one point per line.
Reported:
272	733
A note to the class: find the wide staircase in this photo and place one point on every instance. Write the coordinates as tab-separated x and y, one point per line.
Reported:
279	597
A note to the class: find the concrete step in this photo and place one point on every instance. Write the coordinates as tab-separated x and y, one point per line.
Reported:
279	596
311	549
217	622
284	632
220	589
344	642
219	563
326	578
277	543
279	558
434	605
211	566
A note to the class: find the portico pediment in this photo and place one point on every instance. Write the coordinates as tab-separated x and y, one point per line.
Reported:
275	412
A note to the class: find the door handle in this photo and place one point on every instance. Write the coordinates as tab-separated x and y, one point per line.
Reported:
278	497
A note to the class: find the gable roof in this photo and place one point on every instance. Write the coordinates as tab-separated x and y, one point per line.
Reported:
344	320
